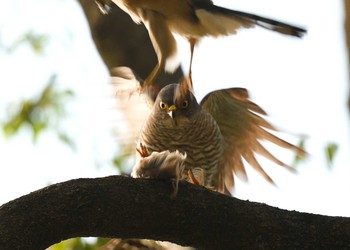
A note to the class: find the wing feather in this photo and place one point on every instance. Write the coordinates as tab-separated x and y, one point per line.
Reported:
250	158
253	107
127	81
260	121
243	125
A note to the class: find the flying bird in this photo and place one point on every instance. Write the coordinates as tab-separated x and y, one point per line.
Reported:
192	19
208	140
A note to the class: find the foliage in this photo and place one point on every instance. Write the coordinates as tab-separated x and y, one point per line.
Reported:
37	42
40	113
122	162
299	158
79	244
331	150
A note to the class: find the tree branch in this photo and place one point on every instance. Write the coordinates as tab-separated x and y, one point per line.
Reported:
122	207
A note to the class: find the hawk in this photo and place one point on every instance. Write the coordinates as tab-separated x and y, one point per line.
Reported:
192	19
206	140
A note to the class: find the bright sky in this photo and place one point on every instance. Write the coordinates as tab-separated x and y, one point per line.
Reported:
301	83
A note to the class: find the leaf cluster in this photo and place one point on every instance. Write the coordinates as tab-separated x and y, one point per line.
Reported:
37	42
39	113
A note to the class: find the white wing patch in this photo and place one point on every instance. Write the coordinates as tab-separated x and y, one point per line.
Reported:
217	25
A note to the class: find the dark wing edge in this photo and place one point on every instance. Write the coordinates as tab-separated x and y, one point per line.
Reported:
243	125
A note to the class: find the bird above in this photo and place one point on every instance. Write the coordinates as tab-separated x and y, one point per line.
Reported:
192	19
209	139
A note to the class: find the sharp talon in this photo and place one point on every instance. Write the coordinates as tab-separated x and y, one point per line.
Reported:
195	181
193	178
142	151
212	188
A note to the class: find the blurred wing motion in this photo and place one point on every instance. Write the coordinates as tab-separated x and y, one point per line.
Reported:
128	81
242	125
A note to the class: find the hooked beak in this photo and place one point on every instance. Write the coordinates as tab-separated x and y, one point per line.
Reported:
170	111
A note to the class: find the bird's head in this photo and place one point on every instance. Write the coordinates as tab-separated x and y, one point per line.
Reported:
176	104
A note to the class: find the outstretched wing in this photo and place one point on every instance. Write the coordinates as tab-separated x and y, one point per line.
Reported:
242	125
126	86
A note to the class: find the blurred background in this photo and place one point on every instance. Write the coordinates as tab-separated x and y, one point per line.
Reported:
60	118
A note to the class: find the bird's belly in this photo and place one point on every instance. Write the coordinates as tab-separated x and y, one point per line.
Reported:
203	148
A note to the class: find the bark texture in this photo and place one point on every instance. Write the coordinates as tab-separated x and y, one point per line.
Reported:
122	207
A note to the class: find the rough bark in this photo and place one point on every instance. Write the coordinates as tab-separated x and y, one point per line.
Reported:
122	207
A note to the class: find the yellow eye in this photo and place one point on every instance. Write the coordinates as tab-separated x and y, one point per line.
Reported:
185	104
162	105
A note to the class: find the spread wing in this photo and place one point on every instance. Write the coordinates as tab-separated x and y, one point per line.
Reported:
126	85
242	125
127	81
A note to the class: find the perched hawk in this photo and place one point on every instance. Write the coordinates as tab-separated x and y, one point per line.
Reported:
204	141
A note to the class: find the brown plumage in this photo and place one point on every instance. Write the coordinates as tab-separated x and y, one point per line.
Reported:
214	135
192	19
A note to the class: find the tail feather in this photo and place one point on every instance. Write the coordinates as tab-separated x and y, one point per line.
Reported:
247	20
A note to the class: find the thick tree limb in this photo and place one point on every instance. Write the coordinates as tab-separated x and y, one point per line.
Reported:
122	207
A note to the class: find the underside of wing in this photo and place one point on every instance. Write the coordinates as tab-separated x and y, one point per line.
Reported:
243	126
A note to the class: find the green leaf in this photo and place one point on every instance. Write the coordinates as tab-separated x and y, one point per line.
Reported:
37	42
298	159
79	244
67	140
331	150
122	162
41	113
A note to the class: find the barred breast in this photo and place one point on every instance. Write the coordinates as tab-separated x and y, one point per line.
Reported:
199	137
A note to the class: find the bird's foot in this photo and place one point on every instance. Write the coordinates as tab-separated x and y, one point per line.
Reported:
143	151
194	180
199	181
